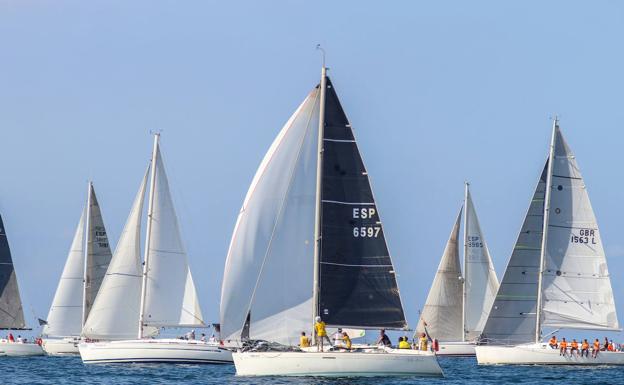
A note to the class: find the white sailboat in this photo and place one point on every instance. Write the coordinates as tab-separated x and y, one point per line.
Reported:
134	302
88	259
11	311
557	276
309	242
458	305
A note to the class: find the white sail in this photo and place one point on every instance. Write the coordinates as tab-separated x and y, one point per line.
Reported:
268	272
170	295
481	283
576	288
65	315
115	312
442	312
98	254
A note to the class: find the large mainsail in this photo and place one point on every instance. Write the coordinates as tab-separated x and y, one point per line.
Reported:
442	312
115	311
268	271
65	315
357	283
11	312
170	298
512	317
98	254
576	288
480	279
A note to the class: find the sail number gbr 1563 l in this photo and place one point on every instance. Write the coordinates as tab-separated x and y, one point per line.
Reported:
584	236
365	231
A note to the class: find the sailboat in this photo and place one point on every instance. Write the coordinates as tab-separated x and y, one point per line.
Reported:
11	311
557	276
309	242
161	295
458	305
80	281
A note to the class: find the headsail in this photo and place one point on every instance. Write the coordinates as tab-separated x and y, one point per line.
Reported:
268	271
115	311
442	312
480	281
357	285
170	295
576	288
98	254
11	312
65	315
512	318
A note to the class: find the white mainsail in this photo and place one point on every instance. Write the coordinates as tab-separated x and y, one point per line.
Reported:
170	295
442	312
268	271
115	311
65	315
576	288
480	282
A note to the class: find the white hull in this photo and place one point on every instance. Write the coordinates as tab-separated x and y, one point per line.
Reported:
337	364
60	346
541	354
456	349
154	350
18	349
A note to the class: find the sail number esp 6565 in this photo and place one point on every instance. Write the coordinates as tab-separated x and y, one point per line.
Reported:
365	231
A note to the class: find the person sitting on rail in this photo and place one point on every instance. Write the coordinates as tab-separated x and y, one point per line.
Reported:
553	342
563	346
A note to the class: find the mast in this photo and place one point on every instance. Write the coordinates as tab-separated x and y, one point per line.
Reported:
87	234
319	177
148	235
551	159
466	184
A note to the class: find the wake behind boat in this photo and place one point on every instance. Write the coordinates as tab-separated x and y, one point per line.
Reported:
11	311
457	305
309	242
135	302
557	275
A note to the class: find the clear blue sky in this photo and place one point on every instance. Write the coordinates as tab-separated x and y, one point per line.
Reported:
437	92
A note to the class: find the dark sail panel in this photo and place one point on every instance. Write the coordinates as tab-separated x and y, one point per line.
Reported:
357	281
11	313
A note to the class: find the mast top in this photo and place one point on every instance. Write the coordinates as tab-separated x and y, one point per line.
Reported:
319	48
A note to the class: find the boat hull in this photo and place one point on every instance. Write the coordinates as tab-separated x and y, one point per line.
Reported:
541	354
18	349
154	350
456	349
60	346
337	364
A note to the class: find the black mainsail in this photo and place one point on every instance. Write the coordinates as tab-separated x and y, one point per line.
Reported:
11	312
357	283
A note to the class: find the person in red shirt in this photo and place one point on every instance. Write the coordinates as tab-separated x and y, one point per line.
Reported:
11	338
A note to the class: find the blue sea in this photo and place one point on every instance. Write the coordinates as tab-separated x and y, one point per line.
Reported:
71	370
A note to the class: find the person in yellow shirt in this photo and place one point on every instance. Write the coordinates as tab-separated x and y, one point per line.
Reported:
346	340
321	333
423	342
403	344
304	341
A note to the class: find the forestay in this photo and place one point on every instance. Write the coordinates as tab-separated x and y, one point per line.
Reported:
65	315
576	286
442	312
11	312
268	271
170	295
115	312
480	282
358	284
512	318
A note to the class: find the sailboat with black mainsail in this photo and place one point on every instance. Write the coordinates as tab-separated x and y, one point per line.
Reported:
557	276
137	300
11	311
309	242
85	268
458	304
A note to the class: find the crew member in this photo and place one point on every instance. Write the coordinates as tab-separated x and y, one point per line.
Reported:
563	346
585	348
553	342
423	342
321	333
304	341
596	348
574	347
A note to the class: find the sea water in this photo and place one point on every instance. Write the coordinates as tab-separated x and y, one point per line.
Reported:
71	370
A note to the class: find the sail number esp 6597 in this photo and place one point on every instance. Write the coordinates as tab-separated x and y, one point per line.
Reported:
365	231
